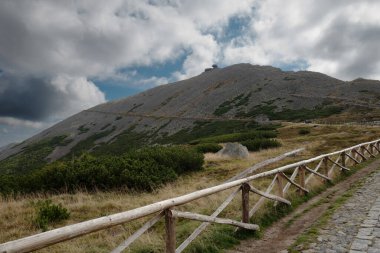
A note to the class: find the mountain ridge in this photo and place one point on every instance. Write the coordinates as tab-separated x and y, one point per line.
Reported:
241	91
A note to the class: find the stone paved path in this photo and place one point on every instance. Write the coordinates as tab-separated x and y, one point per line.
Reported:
368	237
355	226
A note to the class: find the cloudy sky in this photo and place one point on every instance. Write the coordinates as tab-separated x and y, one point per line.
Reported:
60	57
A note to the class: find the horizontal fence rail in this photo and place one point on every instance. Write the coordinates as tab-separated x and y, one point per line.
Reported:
297	174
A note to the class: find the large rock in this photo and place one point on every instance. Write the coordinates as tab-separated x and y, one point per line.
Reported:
234	150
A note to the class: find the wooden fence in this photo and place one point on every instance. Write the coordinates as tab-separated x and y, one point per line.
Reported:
296	175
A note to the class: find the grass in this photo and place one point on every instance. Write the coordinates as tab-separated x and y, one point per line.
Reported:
16	211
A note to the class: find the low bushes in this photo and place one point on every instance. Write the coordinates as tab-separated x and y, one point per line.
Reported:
208	147
303	131
237	137
48	213
258	144
144	170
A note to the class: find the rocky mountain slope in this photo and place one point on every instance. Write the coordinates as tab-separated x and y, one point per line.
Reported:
241	92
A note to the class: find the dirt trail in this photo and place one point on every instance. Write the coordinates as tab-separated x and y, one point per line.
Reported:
279	237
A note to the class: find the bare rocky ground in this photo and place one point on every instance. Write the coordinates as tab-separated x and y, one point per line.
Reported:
344	232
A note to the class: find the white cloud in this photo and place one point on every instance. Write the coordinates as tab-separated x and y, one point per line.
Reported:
339	38
91	38
79	92
10	121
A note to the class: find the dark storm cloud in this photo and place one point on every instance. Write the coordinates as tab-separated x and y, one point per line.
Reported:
356	45
28	98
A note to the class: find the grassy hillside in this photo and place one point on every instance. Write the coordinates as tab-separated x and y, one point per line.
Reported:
130	162
17	213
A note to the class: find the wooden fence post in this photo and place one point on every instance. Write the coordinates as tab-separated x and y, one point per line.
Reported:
170	231
245	188
280	186
325	167
372	149
362	150
301	172
343	158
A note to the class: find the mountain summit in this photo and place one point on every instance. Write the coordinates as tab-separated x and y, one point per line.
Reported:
241	92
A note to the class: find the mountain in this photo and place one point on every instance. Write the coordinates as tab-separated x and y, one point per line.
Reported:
239	92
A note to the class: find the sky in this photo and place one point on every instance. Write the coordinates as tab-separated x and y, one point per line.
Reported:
58	58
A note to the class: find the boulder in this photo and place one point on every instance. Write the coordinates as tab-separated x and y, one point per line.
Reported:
234	150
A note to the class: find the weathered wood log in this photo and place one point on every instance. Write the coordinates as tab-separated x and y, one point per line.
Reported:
325	166
352	158
245	188
262	164
371	148
343	159
337	164
280	186
317	173
292	177
360	154
138	233
369	152
302	177
334	165
205	218
375	146
315	169
203	226
170	231
270	196
260	202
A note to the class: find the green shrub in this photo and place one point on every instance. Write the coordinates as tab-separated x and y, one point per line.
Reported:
180	158
48	213
208	147
258	144
304	131
32	157
238	137
143	170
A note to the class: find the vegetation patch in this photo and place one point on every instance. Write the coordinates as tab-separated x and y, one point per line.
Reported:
212	128
261	143
124	142
240	100
85	145
303	131
47	213
135	106
82	129
208	147
238	137
289	78
144	170
32	157
292	115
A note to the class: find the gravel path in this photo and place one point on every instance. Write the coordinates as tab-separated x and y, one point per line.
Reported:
355	226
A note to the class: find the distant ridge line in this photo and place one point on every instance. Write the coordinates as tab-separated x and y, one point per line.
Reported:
131	114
